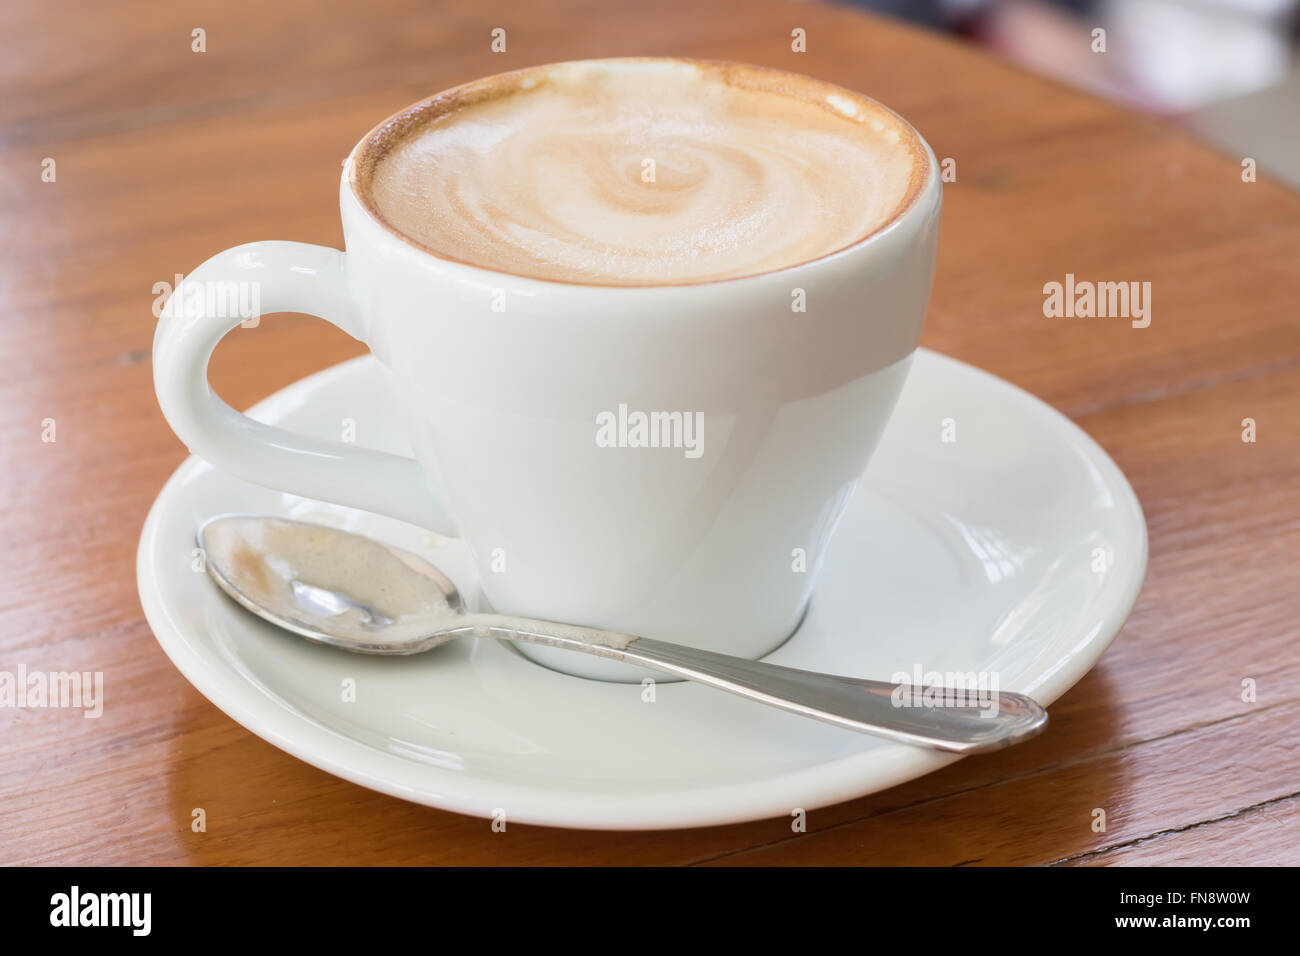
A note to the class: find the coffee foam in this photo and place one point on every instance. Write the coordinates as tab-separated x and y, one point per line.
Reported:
640	172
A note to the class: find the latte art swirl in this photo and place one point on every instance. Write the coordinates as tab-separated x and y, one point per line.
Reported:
648	172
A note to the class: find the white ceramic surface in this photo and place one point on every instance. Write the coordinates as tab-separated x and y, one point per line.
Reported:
503	381
974	555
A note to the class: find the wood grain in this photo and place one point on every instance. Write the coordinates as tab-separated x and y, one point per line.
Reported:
165	156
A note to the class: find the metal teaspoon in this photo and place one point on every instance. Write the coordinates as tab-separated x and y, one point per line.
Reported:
357	594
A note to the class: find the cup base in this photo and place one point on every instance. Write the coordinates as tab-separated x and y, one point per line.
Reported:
614	672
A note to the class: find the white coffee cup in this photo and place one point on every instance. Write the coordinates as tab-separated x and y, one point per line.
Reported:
511	389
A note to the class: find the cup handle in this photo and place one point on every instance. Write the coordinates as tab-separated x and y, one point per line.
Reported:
287	277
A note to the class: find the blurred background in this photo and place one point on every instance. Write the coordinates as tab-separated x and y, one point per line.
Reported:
1227	69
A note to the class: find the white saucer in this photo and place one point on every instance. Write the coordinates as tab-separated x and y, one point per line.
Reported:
978	554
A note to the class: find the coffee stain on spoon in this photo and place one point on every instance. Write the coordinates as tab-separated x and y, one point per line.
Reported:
304	574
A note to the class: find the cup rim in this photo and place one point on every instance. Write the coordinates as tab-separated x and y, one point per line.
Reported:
385	134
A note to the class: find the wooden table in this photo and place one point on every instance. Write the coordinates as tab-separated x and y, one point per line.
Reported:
165	156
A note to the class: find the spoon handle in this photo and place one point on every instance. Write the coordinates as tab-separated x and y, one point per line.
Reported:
957	720
961	721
